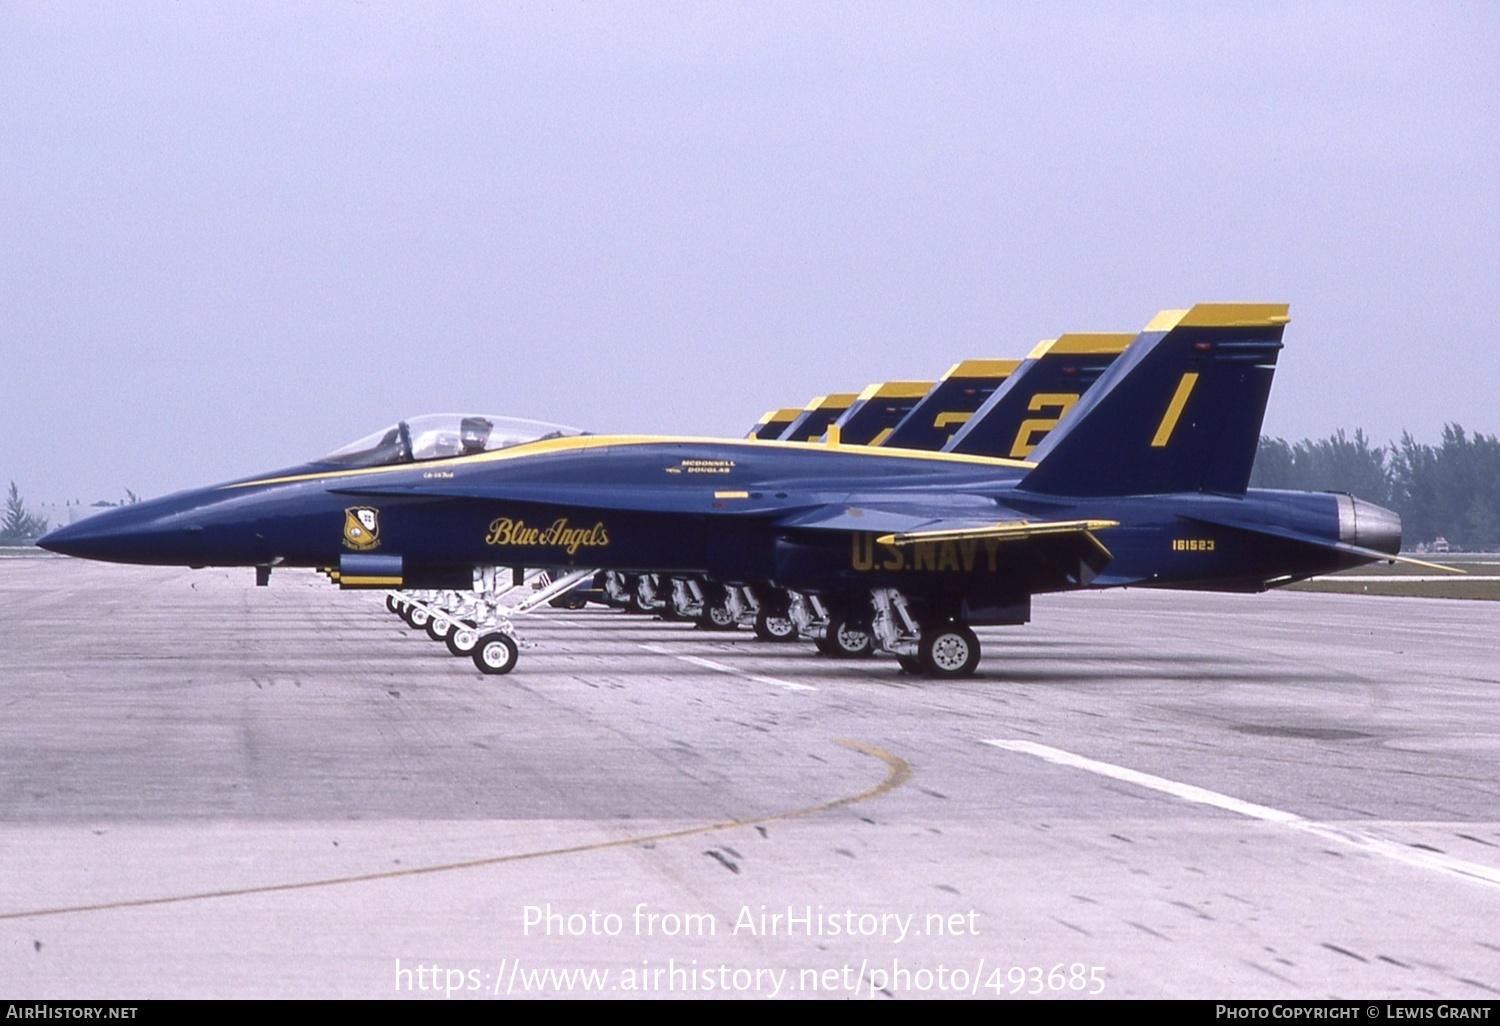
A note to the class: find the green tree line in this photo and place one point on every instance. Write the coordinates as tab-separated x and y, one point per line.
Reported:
19	526
1450	490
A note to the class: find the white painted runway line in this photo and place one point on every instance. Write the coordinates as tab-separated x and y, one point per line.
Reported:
1434	861
709	664
1412	578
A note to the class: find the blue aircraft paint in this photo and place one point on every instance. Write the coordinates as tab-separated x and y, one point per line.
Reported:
1157	453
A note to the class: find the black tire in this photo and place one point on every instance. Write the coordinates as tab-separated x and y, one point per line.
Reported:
416	618
439	627
717	618
495	653
911	664
949	651
845	641
774	626
633	602
602	579
390	604
462	640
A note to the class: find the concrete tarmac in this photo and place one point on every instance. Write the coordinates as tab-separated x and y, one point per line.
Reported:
213	790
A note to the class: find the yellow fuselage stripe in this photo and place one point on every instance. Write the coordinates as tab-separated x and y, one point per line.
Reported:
553	445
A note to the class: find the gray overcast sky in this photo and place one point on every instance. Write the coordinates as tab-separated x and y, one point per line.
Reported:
239	235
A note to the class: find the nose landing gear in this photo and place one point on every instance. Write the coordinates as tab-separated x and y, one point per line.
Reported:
495	653
474	623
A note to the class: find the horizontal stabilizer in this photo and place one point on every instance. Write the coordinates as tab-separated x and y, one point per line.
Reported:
1290	534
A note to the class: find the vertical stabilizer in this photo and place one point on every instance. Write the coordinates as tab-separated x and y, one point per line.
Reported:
1033	400
814	419
950	403
878	410
774	422
1179	411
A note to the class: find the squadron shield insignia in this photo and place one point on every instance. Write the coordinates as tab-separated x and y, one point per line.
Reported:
362	528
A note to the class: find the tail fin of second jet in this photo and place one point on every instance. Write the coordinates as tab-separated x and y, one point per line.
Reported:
1179	411
1036	397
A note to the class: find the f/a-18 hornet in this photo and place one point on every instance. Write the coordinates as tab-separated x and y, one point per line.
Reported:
1142	483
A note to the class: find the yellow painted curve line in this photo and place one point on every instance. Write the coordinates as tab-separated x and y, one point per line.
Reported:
897	773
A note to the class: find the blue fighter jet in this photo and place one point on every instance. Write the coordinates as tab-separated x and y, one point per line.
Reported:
1142	483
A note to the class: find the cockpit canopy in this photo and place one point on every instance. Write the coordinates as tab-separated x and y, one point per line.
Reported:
436	436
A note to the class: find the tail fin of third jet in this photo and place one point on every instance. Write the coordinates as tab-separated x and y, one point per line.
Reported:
1179	411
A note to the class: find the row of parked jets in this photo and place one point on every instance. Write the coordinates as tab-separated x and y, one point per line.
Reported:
890	521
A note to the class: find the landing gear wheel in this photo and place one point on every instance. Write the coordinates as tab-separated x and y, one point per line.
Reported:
948	651
416	618
911	665
461	640
390	604
717	618
495	653
844	641
439	627
774	627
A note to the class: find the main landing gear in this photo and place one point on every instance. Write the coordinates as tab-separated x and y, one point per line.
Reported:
839	632
774	626
843	638
931	646
855	626
948	650
926	638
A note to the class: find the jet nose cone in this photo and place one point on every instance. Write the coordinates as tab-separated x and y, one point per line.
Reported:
93	538
65	539
1369	526
128	535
